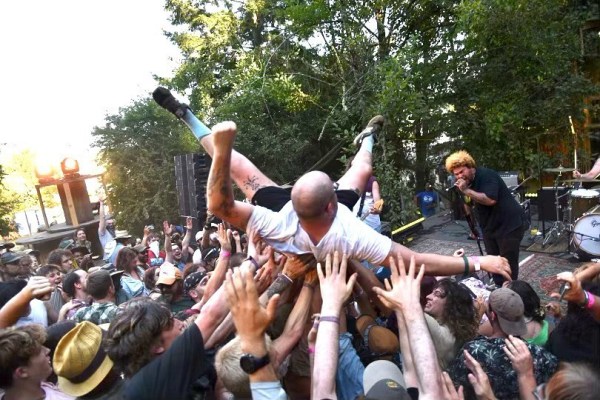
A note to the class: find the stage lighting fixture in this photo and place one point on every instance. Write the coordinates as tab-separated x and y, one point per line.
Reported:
70	167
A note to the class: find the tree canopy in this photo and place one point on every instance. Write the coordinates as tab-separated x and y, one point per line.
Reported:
301	78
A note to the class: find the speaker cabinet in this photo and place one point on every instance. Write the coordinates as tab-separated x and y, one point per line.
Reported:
191	177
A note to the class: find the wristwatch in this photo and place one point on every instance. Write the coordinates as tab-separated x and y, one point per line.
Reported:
250	364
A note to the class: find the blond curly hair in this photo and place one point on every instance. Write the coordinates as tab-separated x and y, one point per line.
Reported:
459	159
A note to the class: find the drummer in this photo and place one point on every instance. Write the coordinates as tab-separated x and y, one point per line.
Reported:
591	174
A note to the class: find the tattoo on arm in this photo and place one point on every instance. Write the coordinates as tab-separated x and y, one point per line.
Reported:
279	285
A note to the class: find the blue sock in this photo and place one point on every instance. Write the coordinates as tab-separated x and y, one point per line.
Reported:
196	126
367	144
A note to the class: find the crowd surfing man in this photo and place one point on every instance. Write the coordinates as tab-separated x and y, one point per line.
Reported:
315	217
500	216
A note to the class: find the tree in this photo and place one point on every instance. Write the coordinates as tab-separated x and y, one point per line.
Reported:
137	147
8	204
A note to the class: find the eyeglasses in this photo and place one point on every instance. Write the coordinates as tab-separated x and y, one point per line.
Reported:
540	392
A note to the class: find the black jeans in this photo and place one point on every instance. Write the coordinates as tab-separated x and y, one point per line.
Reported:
506	246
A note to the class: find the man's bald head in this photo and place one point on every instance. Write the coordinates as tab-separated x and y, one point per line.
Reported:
311	194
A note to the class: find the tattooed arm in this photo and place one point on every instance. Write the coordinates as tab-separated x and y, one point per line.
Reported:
220	190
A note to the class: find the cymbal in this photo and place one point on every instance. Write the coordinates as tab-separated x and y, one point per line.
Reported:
580	180
559	170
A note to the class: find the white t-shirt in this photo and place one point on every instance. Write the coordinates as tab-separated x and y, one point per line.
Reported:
347	235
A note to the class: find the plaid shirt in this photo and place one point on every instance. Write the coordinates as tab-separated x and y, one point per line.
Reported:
97	313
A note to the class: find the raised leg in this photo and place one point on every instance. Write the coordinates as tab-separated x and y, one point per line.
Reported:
243	172
361	167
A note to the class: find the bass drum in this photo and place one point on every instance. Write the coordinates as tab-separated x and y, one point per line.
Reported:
586	234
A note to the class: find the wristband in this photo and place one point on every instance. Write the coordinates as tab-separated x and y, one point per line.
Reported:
591	300
586	301
477	263
225	253
335	320
311	350
253	261
466	260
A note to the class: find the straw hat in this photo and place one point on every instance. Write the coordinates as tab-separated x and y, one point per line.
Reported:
80	362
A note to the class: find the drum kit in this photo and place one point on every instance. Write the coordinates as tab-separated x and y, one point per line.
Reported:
581	215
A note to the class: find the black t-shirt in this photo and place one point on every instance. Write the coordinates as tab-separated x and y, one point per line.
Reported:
503	217
171	375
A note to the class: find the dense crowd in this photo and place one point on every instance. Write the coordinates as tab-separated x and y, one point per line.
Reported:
279	298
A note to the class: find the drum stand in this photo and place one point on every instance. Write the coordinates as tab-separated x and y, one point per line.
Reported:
559	227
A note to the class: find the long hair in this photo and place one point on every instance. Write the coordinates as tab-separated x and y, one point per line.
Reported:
135	329
124	258
531	301
459	312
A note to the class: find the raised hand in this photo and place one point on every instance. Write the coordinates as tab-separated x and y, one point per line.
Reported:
39	287
450	392
575	293
250	318
404	290
189	223
223	237
478	378
167	228
297	265
334	288
519	355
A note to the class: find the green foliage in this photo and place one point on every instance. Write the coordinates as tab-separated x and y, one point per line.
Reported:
8	203
300	78
137	147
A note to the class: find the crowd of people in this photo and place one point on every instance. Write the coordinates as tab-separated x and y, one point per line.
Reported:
277	297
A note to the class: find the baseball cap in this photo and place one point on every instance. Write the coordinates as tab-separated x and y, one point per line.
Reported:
192	280
508	306
199	235
168	274
11	257
140	248
383	380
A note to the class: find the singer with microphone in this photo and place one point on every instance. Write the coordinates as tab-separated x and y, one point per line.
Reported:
501	218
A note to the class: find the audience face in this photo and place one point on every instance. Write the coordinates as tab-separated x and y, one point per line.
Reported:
436	301
25	265
170	334
81	236
39	367
176	252
55	277
66	263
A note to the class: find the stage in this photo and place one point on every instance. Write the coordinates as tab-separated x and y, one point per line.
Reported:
442	234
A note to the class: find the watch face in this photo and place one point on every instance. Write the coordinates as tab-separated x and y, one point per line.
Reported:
247	363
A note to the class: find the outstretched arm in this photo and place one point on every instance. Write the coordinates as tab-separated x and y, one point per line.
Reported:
185	244
438	265
220	190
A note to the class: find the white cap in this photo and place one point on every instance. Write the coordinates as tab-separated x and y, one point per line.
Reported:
199	235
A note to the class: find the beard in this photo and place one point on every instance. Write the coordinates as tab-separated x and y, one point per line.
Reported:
111	229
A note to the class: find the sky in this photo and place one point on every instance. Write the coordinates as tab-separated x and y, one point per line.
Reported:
66	64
